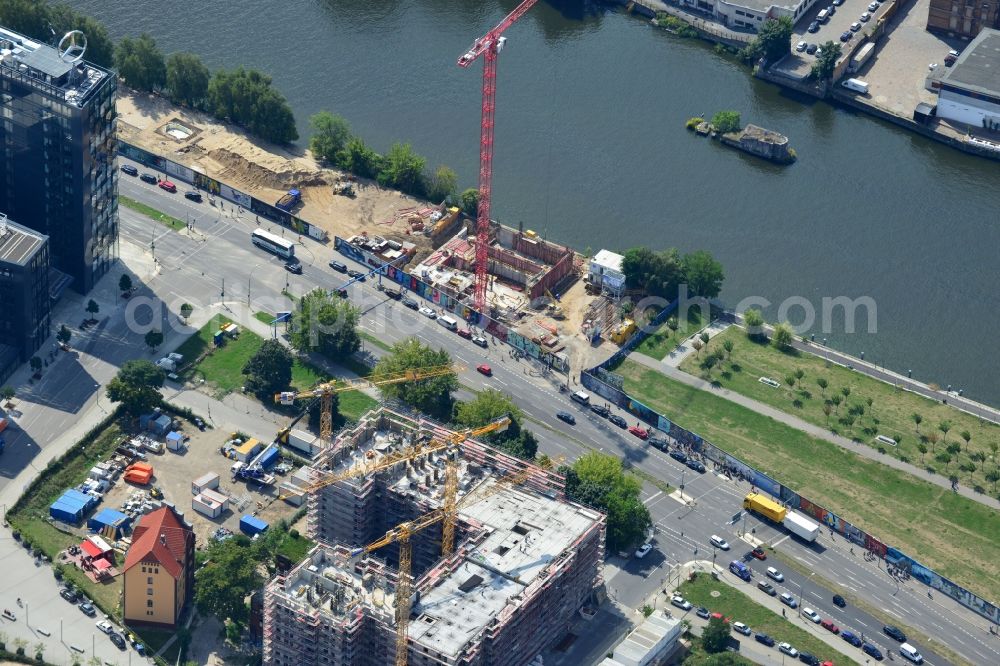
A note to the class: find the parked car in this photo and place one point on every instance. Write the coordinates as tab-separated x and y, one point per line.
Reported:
788	600
774	574
838	601
643	550
137	645
811	49
812	615
830	626
148	178
873	6
678	455
192	195
865	16
807	658
427	312
484	369
801	46
130	170
342	292
766	587
719	542
410	303
481	341
837	2
702	612
814	26
846	36
393	294
88	609
293	267
786	648
765	639
338	266
741	628
894	633
658	443
855	26
118	640
356	274
851	638
872	651
617	420
167	185
680	602
831	10
696	465
464	333
69	595
567	417
604	412
639	432
105	627
759	553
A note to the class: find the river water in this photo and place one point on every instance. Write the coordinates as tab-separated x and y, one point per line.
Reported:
591	151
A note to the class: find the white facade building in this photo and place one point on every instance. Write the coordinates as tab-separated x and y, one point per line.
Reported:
751	14
605	270
970	91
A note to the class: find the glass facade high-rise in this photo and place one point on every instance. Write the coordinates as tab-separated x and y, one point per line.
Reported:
57	150
24	294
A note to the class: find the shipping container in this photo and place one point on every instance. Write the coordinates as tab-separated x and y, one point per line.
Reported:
206	506
252	526
762	505
203	482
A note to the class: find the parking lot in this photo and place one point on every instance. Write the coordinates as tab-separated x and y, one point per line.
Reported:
799	63
174	472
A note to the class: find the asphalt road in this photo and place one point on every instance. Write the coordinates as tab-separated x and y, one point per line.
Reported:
219	250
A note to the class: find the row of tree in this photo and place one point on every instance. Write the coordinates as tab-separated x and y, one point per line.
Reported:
662	273
774	41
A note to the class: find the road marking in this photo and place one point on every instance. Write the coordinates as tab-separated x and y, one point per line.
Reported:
783	540
652	497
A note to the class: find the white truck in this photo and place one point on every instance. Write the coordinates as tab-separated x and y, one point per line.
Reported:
857	85
801	526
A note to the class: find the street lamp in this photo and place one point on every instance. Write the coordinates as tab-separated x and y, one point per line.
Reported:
800	593
250	277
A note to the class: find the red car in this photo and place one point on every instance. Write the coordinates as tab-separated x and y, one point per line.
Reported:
641	433
167	185
830	626
484	369
464	333
759	553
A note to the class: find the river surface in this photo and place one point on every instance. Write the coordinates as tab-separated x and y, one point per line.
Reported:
591	151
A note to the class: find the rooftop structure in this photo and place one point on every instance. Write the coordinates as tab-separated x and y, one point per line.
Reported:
58	145
526	560
962	19
970	91
24	293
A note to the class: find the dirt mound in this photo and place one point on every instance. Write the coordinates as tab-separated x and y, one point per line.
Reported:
236	167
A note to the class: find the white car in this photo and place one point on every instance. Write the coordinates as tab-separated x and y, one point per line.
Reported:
774	574
788	600
788	649
873	6
801	46
812	615
864	17
643	550
680	602
855	26
741	628
105	626
479	340
719	542
427	312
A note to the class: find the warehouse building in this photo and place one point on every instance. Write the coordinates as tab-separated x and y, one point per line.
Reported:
526	560
970	90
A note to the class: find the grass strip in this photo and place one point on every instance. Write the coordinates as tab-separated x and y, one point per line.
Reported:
152	213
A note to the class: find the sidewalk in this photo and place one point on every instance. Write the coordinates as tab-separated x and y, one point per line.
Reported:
684	349
810	429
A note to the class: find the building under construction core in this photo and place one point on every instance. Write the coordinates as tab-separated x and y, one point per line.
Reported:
526	559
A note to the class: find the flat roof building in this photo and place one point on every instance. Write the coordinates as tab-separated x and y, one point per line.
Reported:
526	560
970	91
57	152
24	294
751	14
962	18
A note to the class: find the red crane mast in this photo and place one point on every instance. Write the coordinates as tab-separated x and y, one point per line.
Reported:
488	46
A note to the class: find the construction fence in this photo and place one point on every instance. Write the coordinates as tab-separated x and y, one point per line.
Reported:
609	385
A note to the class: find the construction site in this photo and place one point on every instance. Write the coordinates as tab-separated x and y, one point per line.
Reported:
446	552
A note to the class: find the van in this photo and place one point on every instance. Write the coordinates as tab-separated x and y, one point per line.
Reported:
740	569
448	323
823	16
886	440
910	652
581	398
857	85
338	266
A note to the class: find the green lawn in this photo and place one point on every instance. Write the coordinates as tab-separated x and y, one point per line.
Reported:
265	317
955	536
371	339
890	413
295	548
353	404
152	213
734	604
661	343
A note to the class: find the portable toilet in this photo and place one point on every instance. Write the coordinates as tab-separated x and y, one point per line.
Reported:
218	338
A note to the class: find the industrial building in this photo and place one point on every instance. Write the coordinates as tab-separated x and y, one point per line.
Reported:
526	559
969	92
962	18
57	152
24	293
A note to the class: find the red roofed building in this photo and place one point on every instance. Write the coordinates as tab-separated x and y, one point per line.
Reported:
159	569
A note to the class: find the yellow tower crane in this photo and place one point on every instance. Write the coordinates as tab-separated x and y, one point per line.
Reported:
402	534
325	392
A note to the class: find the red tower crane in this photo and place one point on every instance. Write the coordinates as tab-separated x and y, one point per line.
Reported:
489	46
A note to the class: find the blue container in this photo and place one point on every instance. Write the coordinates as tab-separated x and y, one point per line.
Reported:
252	526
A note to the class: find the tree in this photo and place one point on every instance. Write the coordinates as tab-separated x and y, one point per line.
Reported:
655	273
826	411
186	310
697	344
470	201
187	79
704	337
715	636
154	338
597	479
36	363
272	118
269	370
330	135
359	159
917	419
944	459
137	386
826	62
978	457
782	337
822	383
246	97
954	448
489	406
923	451
967	467
28	17
403	170
993	476
944	427
124	283
967	436
773	41
933	438
754	322
140	62
64	334
728	345
7	393
230	575
93	308
327	324
443	184
846	390
725	122
432	395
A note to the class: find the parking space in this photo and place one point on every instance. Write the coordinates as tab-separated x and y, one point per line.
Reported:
174	472
844	24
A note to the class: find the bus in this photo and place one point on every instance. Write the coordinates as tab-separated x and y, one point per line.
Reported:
273	244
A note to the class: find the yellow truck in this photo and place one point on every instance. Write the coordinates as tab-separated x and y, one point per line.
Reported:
768	508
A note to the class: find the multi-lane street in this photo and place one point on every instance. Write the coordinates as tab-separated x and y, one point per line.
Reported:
215	262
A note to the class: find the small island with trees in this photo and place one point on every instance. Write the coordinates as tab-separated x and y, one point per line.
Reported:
728	129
